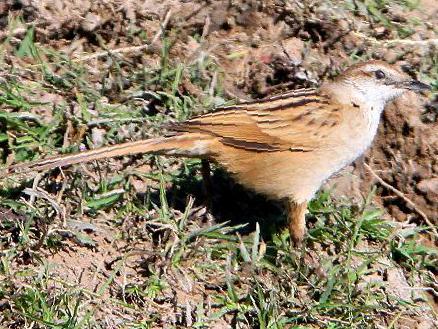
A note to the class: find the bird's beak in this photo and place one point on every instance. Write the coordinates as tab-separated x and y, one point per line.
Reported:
415	85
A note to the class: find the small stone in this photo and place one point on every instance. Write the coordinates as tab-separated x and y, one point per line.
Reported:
97	136
293	47
428	185
91	22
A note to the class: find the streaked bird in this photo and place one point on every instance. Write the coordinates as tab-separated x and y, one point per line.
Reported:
284	146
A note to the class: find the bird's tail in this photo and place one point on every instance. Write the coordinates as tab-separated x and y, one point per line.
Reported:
194	145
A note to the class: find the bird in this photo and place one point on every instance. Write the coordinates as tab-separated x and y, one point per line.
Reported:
284	146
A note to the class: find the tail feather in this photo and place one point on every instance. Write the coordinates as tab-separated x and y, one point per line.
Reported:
183	145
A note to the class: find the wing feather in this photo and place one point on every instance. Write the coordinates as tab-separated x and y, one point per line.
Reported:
294	121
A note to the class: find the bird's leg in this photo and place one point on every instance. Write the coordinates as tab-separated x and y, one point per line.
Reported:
297	228
206	178
297	221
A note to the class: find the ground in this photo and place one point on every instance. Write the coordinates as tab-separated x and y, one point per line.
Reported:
133	242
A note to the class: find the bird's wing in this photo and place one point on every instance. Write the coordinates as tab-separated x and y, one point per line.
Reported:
295	121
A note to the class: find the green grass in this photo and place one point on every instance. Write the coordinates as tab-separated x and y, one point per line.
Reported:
380	12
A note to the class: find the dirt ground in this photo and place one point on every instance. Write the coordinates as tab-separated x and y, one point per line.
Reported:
257	48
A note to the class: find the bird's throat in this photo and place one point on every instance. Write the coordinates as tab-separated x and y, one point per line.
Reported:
348	93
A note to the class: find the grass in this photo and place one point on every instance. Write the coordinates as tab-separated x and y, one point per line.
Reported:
126	245
380	12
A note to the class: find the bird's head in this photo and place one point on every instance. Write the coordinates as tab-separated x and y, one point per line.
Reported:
378	82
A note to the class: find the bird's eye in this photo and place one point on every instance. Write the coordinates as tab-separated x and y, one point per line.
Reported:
379	74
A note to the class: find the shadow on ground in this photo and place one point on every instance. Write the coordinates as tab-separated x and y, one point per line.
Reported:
228	201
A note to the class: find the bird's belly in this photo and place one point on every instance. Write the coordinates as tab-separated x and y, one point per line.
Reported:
294	175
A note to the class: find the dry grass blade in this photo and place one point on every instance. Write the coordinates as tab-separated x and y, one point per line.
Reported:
406	199
404	42
131	49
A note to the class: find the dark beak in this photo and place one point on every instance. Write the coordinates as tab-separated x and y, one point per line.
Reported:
416	85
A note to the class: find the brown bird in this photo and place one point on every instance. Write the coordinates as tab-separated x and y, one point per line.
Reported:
283	146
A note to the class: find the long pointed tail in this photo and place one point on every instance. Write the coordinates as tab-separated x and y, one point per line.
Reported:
183	145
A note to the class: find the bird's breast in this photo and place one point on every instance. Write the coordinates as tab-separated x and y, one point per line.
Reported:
355	135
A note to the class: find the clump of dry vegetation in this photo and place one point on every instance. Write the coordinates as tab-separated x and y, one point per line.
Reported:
129	243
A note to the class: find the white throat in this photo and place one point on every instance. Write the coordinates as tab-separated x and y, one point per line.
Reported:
366	95
370	101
